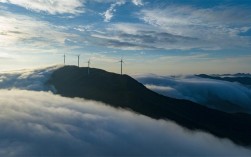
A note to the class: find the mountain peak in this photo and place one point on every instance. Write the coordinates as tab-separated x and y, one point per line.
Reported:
125	92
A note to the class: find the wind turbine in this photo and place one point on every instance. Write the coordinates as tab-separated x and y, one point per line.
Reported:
121	68
89	63
78	59
64	59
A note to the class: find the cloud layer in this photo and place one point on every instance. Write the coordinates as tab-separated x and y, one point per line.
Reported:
27	79
222	95
39	123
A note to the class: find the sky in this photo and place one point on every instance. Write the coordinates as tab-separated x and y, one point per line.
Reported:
152	36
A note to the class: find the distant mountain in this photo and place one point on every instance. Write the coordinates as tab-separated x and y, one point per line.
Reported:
244	79
125	92
234	75
216	94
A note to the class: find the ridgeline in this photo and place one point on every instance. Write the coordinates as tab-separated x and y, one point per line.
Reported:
125	92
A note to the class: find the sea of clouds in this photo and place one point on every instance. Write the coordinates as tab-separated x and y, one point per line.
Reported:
36	122
222	95
32	79
43	124
217	94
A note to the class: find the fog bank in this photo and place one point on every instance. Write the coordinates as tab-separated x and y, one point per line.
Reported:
43	124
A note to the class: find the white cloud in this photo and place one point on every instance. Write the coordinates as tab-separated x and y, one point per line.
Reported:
43	124
137	2
222	95
28	79
108	14
83	28
180	27
212	26
24	34
186	16
50	6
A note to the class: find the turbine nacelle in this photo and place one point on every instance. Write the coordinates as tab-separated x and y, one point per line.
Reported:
121	68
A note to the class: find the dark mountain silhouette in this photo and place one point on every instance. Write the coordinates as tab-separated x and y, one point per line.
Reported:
244	79
125	92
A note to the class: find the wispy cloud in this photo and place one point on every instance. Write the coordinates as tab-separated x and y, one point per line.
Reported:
128	36
211	25
137	2
27	34
108	14
50	6
181	28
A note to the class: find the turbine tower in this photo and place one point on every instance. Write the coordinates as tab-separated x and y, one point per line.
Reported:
78	59
89	63
121	63
64	59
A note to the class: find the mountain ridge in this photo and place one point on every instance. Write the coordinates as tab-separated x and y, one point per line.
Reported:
245	79
125	92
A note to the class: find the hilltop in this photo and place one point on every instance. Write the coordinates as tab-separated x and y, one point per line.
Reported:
125	92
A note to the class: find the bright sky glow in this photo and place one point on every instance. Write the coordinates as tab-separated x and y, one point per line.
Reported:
161	36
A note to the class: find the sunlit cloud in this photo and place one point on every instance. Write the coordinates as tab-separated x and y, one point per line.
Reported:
26	34
51	6
108	14
137	2
43	124
28	79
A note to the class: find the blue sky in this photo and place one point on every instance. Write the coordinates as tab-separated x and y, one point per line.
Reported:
158	36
